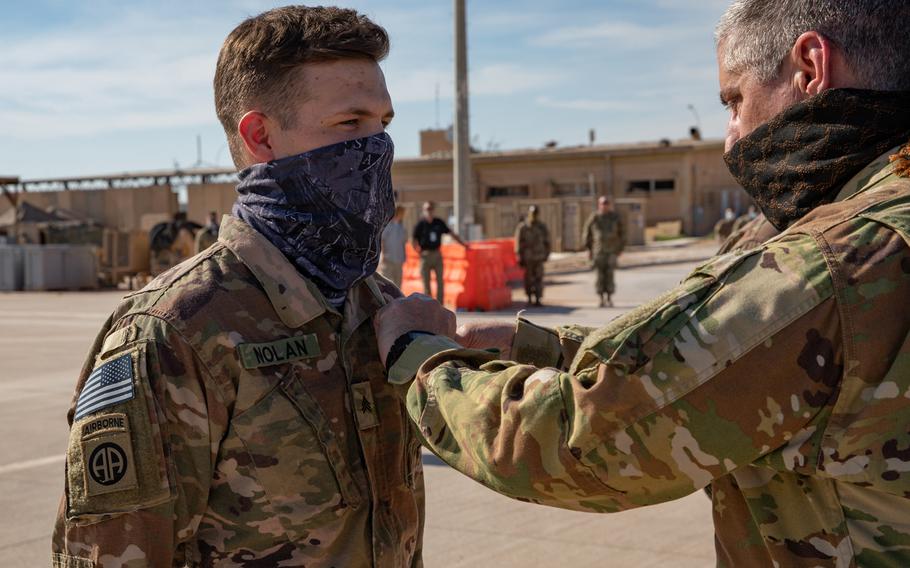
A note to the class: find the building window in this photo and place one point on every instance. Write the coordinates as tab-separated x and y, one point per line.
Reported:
508	191
573	189
634	186
647	186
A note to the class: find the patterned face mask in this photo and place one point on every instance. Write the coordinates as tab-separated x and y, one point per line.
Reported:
324	209
801	158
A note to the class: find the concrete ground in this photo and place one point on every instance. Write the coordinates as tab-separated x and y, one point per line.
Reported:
44	337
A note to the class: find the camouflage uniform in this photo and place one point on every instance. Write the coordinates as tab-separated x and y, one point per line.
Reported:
261	429
749	235
604	235
205	237
532	246
779	376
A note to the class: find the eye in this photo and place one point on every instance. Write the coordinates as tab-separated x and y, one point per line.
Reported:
351	122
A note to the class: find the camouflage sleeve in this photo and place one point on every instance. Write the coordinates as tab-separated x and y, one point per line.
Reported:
586	236
546	240
621	228
712	375
144	431
518	235
750	235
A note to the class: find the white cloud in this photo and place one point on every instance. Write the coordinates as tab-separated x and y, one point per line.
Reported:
615	35
587	104
134	73
508	79
497	79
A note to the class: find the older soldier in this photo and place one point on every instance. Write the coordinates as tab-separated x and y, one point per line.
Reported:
235	412
780	375
604	237
532	246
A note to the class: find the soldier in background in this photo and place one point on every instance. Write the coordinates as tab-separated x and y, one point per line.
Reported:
532	246
427	239
236	412
207	235
605	237
394	239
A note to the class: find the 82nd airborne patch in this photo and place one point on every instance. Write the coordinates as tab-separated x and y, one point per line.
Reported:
108	454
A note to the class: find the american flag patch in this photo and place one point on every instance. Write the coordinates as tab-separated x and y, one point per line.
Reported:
108	384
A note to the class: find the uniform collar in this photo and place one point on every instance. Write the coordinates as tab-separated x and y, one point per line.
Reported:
296	300
871	175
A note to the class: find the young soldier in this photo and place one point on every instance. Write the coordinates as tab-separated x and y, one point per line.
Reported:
235	412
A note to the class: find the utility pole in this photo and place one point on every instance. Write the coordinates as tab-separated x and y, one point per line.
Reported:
464	202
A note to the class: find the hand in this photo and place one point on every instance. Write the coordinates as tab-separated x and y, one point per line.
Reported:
486	335
414	313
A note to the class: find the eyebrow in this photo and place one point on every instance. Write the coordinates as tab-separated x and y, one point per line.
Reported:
363	112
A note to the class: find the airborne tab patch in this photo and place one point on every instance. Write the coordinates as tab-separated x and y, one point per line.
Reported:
255	355
109	384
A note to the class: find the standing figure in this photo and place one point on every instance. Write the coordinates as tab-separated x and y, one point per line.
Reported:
532	246
208	235
394	238
604	236
427	240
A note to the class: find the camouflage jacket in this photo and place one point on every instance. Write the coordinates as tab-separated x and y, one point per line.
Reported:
241	422
604	234
749	235
779	376
532	242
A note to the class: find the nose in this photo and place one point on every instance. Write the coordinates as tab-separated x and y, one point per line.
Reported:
732	136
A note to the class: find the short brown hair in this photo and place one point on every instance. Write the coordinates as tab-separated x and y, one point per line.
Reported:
259	60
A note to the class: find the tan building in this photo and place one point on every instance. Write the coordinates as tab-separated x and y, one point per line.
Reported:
684	181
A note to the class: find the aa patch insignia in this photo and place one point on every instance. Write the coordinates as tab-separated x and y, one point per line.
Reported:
109	384
108	454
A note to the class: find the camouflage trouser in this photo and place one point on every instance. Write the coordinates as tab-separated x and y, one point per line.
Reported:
534	279
392	271
605	266
431	260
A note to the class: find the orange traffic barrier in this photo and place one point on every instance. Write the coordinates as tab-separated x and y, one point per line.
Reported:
514	273
474	278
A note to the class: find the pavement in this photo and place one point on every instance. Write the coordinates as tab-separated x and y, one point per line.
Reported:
654	254
45	336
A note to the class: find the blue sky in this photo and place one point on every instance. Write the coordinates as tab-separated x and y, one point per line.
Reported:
103	86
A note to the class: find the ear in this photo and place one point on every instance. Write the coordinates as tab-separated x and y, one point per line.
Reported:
254	129
812	61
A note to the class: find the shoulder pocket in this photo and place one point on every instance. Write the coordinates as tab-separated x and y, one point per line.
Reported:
296	458
115	458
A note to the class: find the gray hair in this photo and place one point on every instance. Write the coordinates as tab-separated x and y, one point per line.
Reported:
757	35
